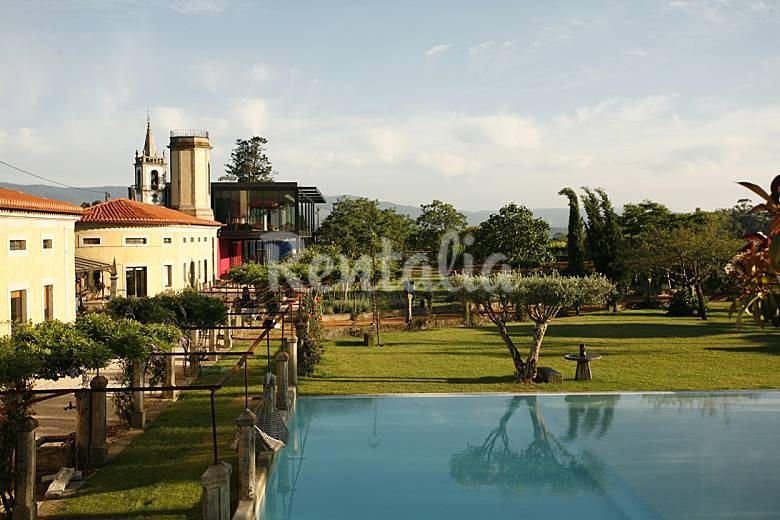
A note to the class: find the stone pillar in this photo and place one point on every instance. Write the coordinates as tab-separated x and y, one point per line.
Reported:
291	347
98	449
25	507
246	455
228	337
216	491
82	428
137	415
170	378
281	381
194	347
409	298
212	339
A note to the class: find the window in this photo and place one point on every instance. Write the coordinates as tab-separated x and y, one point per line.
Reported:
90	241
167	240
205	270
192	239
135	241
183	240
184	272
48	243
135	280
48	302
167	276
18	308
18	245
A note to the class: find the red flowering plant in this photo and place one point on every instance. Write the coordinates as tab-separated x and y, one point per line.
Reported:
757	266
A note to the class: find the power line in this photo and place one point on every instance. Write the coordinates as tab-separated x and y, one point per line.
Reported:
49	180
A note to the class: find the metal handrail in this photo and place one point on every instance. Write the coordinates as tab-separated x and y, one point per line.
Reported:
190	133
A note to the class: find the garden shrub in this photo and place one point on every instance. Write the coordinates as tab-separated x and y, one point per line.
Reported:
683	303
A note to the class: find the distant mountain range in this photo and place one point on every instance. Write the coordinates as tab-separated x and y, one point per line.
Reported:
556	217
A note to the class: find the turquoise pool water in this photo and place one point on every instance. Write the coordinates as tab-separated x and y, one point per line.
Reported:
688	455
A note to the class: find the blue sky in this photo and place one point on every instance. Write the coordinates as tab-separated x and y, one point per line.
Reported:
477	103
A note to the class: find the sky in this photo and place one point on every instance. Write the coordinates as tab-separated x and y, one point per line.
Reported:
474	103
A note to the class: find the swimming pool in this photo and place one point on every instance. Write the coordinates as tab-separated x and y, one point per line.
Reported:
683	455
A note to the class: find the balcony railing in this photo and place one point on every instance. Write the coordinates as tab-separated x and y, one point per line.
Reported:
190	133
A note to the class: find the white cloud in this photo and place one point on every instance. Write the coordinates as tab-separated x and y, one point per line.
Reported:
506	131
251	115
489	46
438	49
447	164
635	52
387	143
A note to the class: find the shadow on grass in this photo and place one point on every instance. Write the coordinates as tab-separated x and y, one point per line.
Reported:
763	344
692	329
404	379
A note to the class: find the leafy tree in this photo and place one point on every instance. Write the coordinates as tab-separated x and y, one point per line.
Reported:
757	266
249	161
357	226
604	237
575	241
644	215
436	219
745	221
515	233
541	297
691	254
48	350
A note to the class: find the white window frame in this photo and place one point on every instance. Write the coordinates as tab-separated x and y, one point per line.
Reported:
19	252
19	287
169	285
44	283
82	244
49	251
135	237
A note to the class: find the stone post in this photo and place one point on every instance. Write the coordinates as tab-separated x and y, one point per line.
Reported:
216	491
170	378
137	415
281	380
82	428
228	334
291	347
25	507
246	455
213	340
194	347
98	449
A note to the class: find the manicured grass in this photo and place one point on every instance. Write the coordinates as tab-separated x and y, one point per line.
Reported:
158	475
642	350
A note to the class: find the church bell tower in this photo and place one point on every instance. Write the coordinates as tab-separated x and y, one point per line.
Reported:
151	172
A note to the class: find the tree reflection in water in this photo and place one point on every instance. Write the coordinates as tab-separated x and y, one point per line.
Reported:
546	463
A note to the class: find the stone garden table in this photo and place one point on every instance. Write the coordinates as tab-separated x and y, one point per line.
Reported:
583	365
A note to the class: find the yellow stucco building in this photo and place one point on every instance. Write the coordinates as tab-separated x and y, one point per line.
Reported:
37	279
156	249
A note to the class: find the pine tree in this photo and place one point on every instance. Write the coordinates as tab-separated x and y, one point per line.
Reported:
249	162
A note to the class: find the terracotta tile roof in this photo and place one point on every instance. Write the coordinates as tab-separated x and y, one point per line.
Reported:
20	201
131	213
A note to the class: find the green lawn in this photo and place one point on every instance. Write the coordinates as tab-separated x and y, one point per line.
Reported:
643	350
157	476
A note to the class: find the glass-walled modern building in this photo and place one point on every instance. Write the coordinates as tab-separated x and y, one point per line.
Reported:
263	221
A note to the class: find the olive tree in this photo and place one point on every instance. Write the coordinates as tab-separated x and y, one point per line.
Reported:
501	296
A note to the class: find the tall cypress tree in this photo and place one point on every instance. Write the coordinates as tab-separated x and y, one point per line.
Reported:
576	234
604	237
